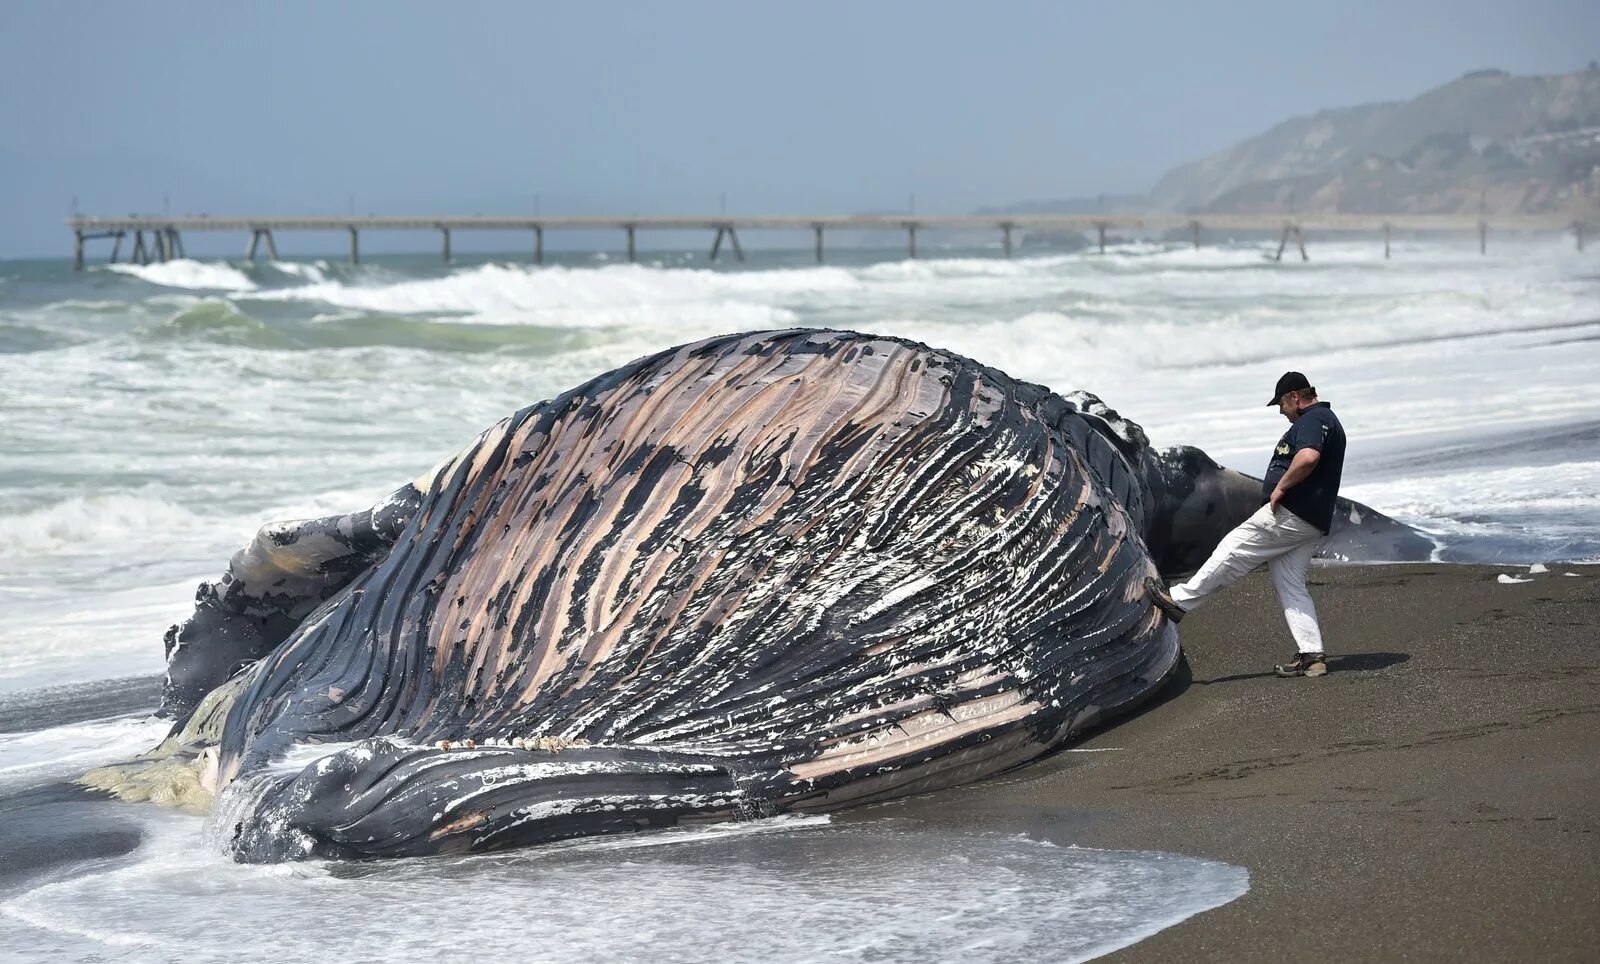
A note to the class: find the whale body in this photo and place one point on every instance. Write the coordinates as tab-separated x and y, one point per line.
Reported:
763	573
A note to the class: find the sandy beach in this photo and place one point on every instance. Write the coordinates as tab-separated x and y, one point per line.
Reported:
1436	796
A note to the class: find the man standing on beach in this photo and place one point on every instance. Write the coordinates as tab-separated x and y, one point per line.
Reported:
1299	490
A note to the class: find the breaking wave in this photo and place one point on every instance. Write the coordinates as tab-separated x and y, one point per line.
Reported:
82	523
614	295
183	273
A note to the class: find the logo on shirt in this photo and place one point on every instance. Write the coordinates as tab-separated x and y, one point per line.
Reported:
1283	448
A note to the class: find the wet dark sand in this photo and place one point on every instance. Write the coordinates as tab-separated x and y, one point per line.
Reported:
1435	796
47	827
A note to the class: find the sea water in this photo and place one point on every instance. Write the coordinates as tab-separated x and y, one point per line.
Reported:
782	889
152	417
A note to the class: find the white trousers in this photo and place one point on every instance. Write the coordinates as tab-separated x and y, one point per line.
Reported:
1286	543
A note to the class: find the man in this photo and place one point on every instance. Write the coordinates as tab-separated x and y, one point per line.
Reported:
1299	490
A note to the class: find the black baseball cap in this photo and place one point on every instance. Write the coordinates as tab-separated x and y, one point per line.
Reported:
1290	382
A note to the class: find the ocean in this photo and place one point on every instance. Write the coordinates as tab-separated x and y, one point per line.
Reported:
152	417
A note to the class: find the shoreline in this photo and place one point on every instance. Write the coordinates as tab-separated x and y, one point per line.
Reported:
1435	796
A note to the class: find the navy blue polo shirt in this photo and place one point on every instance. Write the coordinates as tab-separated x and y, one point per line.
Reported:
1313	499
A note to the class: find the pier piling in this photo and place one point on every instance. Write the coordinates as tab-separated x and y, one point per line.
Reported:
257	235
632	250
1005	238
818	229
446	232
733	238
538	244
1577	234
1194	228
1386	242
77	250
1100	228
1483	237
1299	240
911	240
716	245
355	246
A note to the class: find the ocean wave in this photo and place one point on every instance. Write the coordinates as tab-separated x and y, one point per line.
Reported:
1565	488
1514	514
220	321
932	269
559	297
90	523
19	338
501	290
64	750
316	273
183	273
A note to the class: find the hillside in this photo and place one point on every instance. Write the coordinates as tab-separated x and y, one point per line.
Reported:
1487	141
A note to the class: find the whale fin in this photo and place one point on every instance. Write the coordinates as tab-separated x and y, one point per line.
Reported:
390	798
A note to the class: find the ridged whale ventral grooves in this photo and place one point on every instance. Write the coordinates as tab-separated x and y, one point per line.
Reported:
762	573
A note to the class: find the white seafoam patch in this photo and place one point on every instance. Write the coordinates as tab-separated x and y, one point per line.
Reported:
612	296
63	752
87	523
783	889
183	273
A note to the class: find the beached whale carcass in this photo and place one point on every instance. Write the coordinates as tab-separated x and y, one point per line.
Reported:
761	573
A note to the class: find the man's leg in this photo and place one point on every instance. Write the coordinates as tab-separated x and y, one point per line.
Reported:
1254	541
1289	579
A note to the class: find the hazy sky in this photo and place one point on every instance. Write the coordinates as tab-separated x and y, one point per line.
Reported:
658	108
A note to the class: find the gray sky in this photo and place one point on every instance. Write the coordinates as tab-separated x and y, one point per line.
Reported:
617	107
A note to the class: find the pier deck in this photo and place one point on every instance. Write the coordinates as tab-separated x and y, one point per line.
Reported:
166	232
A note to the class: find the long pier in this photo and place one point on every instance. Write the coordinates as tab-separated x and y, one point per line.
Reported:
161	238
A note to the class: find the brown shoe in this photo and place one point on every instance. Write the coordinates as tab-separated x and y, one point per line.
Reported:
1162	600
1304	664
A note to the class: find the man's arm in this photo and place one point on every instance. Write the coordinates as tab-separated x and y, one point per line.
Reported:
1304	461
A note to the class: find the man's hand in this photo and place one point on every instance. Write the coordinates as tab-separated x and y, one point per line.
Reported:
1304	461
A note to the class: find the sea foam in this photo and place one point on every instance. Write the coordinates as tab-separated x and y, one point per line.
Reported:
90	522
784	890
588	297
198	275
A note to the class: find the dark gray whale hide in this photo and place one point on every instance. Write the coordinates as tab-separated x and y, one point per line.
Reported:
784	571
